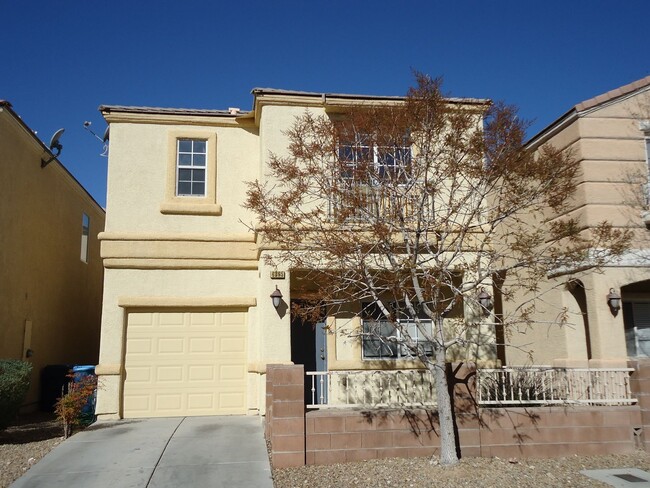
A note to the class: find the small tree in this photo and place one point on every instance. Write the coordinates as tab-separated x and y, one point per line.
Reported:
70	408
417	206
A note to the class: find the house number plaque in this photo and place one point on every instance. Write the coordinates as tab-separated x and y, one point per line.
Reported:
277	275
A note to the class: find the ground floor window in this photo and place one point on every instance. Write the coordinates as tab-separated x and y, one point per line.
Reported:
636	316
383	339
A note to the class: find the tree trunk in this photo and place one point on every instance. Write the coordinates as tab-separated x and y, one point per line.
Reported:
448	448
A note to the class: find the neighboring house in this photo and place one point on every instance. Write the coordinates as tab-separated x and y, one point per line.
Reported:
50	268
188	325
610	136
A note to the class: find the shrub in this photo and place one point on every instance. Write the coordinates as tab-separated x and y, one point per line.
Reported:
14	383
71	408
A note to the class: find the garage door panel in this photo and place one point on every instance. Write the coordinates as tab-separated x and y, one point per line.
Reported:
204	319
185	364
170	319
203	344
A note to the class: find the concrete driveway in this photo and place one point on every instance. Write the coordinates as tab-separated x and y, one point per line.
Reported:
158	453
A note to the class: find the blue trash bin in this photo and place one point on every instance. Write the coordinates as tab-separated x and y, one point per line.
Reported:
88	412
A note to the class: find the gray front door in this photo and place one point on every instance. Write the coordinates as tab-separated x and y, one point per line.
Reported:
321	361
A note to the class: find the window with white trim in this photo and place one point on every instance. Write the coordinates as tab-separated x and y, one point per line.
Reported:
365	162
382	339
191	171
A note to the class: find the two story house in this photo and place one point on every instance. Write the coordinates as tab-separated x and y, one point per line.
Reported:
189	323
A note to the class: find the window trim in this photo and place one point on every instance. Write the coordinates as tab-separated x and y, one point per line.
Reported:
191	167
365	144
186	204
401	351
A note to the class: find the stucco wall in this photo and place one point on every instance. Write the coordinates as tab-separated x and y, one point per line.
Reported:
608	143
44	284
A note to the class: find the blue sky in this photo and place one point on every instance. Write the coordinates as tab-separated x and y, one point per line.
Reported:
59	60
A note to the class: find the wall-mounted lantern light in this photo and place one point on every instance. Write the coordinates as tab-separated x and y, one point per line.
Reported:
276	296
485	301
614	301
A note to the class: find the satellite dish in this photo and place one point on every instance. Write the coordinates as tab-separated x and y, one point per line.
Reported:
54	144
103	139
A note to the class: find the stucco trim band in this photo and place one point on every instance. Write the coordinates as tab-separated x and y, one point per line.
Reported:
143	263
178	250
190	209
166	236
185	302
108	369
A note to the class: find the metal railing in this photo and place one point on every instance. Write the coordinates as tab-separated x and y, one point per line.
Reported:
375	388
363	202
554	386
522	386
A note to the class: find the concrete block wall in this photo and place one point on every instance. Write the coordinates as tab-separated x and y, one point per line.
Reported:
285	414
330	436
640	385
558	431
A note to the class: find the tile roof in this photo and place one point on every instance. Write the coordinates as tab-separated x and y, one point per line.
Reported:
169	111
613	94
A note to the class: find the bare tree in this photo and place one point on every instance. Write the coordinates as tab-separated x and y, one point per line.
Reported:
416	206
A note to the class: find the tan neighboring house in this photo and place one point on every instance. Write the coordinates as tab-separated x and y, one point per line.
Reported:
188	324
610	136
50	268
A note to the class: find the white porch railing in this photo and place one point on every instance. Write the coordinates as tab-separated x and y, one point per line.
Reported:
554	386
375	388
523	386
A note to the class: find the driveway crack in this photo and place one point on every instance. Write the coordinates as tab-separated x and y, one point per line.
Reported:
163	453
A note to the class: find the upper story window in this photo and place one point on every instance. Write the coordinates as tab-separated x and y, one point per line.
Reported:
364	161
191	157
191	183
372	180
85	233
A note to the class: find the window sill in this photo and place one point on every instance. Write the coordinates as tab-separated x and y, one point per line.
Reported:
188	208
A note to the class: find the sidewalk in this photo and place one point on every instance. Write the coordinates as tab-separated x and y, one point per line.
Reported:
158	453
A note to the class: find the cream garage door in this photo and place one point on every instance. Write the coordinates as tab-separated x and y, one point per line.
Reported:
185	363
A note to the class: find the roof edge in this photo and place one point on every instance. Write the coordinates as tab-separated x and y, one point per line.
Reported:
590	104
276	91
7	105
171	111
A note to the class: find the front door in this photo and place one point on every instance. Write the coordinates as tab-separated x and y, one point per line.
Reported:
321	362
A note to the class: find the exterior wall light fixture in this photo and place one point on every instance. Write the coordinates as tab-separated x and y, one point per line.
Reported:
276	296
614	301
485	301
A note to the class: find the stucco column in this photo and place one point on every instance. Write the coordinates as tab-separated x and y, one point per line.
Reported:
274	324
109	370
606	330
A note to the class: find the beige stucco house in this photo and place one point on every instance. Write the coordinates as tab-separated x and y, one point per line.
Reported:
50	268
188	323
608	134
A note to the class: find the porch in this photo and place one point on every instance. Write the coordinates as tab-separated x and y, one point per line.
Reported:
598	414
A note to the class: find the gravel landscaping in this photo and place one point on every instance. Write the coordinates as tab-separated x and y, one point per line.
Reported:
471	472
29	439
25	442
